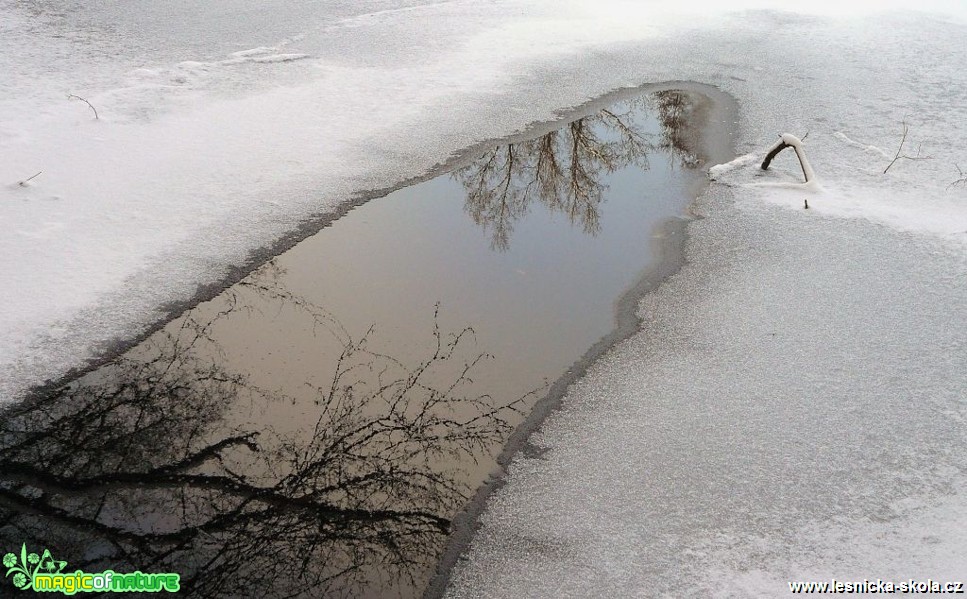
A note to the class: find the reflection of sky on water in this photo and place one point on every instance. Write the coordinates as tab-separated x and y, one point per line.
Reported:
320	423
137	466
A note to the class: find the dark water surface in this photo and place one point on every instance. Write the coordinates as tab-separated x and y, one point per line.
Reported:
313	430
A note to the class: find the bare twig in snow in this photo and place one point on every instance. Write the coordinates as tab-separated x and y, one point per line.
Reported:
961	181
73	97
24	182
899	151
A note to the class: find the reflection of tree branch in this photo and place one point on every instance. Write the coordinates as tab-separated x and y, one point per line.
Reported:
268	286
567	166
134	461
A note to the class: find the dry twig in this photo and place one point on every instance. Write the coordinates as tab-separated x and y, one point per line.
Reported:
73	97
25	181
899	155
961	181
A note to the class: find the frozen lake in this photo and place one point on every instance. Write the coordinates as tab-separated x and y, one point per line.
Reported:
377	366
796	349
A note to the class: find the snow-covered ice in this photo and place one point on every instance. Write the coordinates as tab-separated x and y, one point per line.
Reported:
801	416
794	406
222	128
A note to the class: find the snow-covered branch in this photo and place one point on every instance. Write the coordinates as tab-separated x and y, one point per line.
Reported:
788	140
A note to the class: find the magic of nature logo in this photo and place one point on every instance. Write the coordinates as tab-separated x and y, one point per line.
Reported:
44	574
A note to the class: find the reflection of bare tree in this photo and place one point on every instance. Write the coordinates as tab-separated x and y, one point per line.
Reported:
134	468
674	109
564	169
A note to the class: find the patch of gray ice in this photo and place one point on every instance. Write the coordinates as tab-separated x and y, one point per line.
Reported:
792	409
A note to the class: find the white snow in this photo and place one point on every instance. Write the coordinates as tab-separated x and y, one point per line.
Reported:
794	406
719	170
867	148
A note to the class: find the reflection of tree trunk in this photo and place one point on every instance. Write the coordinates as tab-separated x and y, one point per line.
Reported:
575	163
673	112
548	168
509	176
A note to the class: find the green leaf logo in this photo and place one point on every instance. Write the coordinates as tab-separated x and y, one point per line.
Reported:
29	565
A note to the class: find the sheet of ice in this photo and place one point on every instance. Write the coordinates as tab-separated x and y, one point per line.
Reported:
800	417
222	127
